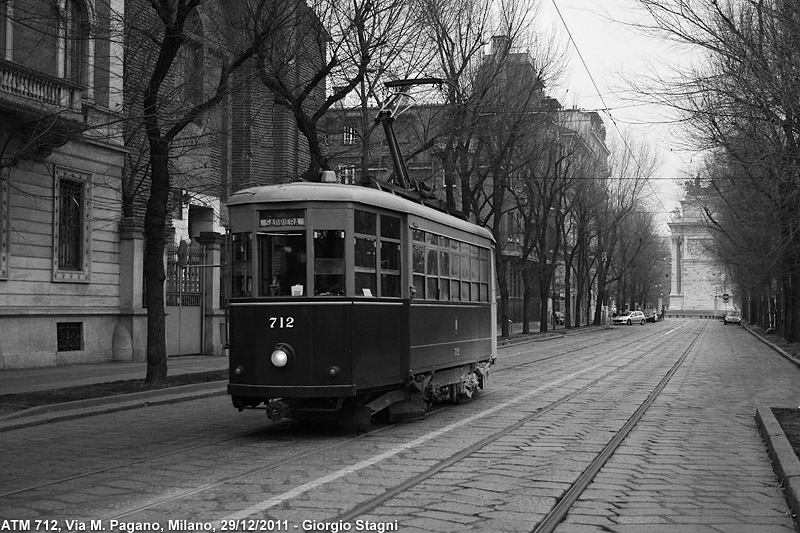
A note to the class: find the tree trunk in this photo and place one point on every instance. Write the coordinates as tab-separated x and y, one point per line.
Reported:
544	292
601	295
528	279
502	286
567	295
154	275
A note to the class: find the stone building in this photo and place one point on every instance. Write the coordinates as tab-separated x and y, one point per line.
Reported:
62	160
73	180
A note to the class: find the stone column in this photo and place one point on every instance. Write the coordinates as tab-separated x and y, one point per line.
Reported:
676	279
130	334
213	315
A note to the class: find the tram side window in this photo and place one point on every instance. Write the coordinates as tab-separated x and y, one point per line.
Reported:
282	260
390	256
365	253
449	270
432	270
241	265
465	286
475	270
418	266
444	271
329	271
484	258
455	270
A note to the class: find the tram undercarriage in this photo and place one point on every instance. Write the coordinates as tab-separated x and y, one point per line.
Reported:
420	392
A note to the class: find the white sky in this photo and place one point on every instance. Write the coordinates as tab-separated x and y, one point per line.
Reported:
612	51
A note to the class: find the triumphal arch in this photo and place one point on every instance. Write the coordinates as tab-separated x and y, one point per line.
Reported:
699	285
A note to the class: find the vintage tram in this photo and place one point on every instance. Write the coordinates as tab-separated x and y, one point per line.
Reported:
348	301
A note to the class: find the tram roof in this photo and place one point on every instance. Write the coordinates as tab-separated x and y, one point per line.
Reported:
303	191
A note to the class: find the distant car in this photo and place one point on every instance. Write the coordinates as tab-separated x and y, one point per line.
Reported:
558	316
631	317
652	316
732	317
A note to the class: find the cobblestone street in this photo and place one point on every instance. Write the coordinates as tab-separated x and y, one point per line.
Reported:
505	461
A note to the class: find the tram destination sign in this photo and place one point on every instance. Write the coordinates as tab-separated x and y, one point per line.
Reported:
281	219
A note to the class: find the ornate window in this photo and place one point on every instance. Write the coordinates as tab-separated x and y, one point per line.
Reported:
72	226
52	37
76	42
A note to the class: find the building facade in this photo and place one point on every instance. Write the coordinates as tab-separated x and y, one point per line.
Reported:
74	179
60	188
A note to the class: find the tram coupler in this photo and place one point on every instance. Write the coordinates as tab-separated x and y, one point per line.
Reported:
277	410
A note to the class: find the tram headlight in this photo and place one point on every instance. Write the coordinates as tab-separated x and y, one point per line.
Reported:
281	355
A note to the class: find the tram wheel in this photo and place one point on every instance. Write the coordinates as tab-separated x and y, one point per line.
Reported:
455	397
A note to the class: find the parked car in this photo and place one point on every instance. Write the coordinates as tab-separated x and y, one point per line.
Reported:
630	317
558	316
651	315
732	317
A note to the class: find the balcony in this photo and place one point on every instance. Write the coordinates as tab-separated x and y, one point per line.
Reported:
35	94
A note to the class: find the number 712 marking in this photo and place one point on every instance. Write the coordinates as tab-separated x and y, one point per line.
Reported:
281	322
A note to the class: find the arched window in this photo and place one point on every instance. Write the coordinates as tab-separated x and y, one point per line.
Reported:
76	42
34	24
48	36
191	61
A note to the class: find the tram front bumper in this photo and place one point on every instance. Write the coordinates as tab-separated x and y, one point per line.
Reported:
291	391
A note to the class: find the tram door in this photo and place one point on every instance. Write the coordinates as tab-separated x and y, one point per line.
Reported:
183	309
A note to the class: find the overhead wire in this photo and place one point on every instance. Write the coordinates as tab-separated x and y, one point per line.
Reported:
606	108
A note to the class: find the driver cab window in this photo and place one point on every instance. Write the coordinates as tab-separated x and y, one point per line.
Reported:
283	264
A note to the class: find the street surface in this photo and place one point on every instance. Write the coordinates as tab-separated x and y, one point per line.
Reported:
631	428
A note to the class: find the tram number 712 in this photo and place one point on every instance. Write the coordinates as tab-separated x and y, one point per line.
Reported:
281	322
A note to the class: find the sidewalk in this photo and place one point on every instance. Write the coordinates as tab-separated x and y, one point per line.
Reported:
51	378
57	377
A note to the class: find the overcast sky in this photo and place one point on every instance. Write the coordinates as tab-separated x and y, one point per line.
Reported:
612	52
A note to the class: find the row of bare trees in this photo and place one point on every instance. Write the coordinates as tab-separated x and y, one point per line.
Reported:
503	152
742	101
498	138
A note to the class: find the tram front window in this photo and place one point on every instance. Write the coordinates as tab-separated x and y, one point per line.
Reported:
241	276
282	261
329	269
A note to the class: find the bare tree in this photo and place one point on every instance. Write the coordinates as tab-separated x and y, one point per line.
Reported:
346	44
163	30
632	165
742	103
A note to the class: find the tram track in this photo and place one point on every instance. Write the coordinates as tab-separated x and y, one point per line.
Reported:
577	488
364	507
559	512
248	434
372	503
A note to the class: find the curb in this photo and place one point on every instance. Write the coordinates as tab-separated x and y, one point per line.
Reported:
775	347
550	335
46	414
784	460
